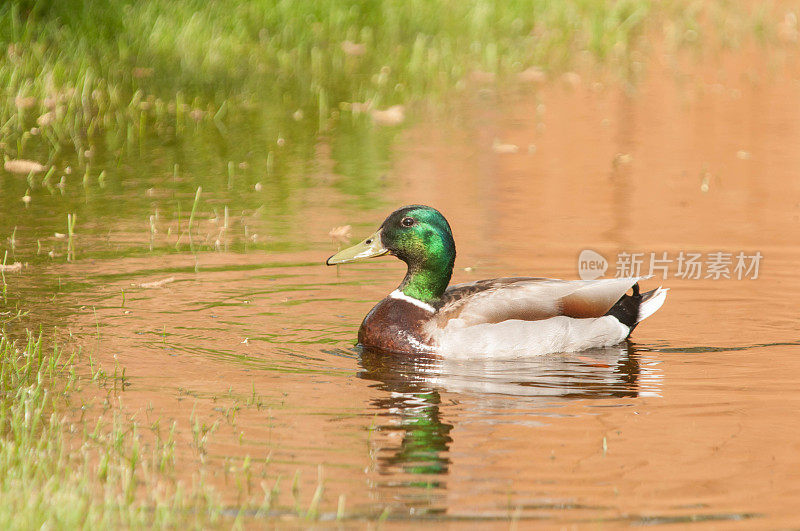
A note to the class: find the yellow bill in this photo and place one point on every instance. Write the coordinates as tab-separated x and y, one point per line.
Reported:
369	248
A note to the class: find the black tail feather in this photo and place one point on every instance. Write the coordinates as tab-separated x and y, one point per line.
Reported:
626	309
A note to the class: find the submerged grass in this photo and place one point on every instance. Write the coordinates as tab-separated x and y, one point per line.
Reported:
62	467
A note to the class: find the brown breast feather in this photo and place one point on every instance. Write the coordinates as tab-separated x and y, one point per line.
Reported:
396	325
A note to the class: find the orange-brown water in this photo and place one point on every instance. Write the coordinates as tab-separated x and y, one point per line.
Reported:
695	421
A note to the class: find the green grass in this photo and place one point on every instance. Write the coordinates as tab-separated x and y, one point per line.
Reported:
230	95
83	78
112	71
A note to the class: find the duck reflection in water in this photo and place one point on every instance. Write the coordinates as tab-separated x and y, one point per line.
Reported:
412	403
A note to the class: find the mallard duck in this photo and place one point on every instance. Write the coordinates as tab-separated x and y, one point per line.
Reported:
504	316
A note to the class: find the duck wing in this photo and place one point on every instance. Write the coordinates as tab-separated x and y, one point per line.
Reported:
529	299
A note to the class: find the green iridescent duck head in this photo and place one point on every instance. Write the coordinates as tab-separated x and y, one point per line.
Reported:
419	236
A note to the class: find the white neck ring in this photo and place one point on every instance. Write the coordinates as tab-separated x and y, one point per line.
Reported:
399	295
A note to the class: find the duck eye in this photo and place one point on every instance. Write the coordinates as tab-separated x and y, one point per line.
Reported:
407	222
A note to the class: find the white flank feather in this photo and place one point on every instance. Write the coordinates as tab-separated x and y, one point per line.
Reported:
516	338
